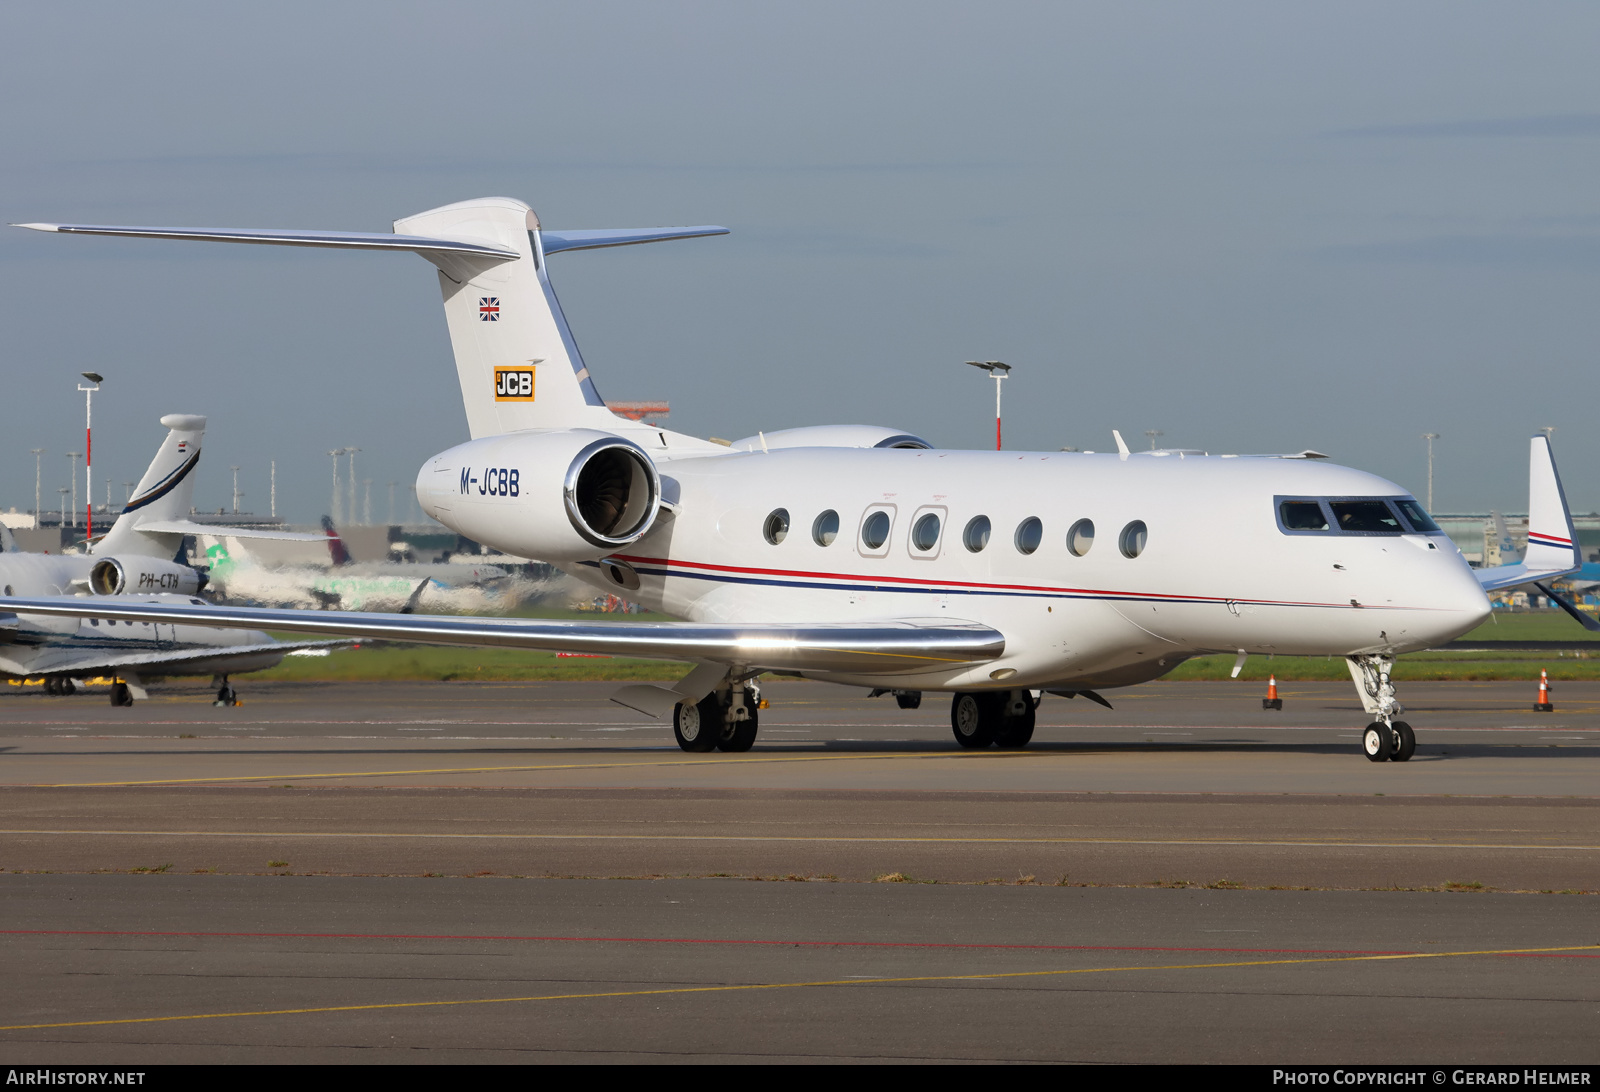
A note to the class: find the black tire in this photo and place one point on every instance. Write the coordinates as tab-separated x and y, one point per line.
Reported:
909	699
52	685
1376	741
973	718
1014	733
121	696
1405	742
227	696
697	727
740	735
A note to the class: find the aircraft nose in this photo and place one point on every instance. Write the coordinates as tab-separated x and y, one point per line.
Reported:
1457	601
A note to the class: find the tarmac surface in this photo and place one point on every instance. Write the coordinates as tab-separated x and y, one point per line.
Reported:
459	872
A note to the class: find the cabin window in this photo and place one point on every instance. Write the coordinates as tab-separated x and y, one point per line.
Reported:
825	528
1365	515
976	536
875	530
925	532
1030	532
776	529
1302	516
94	621
1133	538
1080	537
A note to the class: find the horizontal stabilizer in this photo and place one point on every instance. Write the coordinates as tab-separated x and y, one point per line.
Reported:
345	240
594	239
862	647
187	527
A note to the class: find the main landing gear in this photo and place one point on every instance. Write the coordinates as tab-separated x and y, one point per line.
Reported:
1385	739
1003	718
723	720
60	685
226	694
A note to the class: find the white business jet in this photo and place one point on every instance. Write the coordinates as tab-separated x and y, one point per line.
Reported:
861	555
138	561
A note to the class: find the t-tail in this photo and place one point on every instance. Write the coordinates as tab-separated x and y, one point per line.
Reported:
1553	550
165	494
517	362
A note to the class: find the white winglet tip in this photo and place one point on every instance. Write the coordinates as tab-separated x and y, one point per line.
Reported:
39	227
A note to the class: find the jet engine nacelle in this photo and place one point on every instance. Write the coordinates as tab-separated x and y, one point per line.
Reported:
571	495
143	575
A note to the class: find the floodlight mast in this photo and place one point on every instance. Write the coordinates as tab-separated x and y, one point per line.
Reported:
95	379
1430	437
997	371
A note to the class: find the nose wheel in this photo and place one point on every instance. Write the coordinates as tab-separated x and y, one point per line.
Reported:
1392	742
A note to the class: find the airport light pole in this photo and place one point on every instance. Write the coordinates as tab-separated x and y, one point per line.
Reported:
352	452
235	489
128	486
333	512
997	371
1153	433
94	379
73	457
63	490
1430	437
37	451
273	489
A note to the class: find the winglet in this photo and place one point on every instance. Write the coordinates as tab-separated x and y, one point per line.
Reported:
1122	445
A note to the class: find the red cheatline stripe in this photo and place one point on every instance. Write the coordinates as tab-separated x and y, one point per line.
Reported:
933	585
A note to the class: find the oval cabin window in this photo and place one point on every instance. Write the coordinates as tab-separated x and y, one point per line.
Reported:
1080	538
1030	532
875	531
976	536
1133	538
776	529
826	528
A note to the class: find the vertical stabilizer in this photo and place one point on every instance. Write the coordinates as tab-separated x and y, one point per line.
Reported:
1552	540
165	493
517	362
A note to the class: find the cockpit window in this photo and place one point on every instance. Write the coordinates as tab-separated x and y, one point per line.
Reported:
1353	516
1365	516
1302	516
1420	521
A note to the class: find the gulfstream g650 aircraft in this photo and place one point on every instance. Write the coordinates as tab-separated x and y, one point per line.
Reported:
861	555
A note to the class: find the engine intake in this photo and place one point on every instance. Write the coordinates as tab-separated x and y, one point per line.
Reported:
612	491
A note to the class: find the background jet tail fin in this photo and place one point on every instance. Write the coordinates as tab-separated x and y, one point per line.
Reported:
1553	549
336	551
165	494
1552	539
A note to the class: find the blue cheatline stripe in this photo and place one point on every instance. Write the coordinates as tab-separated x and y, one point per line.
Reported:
1130	597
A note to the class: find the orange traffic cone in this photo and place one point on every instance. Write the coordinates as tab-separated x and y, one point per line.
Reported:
1543	704
1272	701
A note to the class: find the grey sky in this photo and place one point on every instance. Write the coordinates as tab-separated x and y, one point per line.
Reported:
1256	227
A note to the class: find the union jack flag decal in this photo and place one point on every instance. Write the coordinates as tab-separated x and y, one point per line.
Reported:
489	308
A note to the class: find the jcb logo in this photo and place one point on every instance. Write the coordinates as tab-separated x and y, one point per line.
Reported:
513	384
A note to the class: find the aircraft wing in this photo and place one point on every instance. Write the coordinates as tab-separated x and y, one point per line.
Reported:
187	527
51	661
866	647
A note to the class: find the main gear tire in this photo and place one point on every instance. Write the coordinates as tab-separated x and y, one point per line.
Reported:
740	735
698	726
974	717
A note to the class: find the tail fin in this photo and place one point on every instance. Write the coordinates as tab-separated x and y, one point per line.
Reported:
518	365
336	550
1509	554
1553	549
165	494
1552	540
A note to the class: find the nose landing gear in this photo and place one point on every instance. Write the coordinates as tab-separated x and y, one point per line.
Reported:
1385	739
